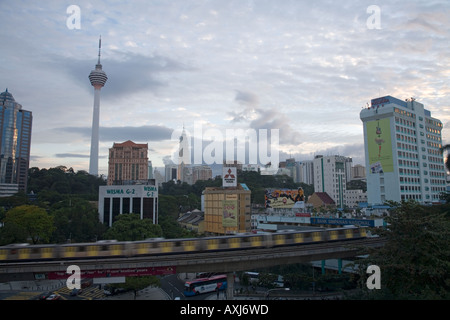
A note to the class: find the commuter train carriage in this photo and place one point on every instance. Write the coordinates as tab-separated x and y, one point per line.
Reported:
217	243
292	237
25	251
166	246
99	249
158	246
244	241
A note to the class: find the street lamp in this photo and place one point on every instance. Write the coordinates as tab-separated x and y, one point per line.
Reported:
268	291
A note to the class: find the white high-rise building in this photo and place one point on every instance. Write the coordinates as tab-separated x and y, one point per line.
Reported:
306	172
98	79
330	177
403	160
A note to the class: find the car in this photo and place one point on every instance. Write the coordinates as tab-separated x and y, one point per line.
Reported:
45	295
54	296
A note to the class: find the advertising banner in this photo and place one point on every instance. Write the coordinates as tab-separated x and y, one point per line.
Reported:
380	146
125	272
283	198
230	217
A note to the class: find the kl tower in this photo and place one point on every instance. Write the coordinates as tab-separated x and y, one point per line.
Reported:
98	79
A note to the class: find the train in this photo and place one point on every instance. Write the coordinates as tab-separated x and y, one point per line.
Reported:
160	246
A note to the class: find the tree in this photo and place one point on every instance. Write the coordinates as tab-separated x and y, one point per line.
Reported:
60	180
139	283
27	222
76	219
414	262
129	227
167	206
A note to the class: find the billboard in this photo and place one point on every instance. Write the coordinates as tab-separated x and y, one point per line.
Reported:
230	212
283	198
125	272
379	146
229	177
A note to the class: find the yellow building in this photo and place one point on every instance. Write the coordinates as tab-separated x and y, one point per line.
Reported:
227	210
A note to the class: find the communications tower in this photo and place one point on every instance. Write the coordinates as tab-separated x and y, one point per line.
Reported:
98	79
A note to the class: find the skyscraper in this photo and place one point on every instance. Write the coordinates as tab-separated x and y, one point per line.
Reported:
403	160
128	161
98	79
330	177
15	140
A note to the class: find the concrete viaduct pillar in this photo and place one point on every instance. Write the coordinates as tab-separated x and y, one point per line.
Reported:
230	286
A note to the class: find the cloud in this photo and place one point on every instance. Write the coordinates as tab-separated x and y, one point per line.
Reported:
303	68
246	98
75	155
354	151
71	155
128	73
116	134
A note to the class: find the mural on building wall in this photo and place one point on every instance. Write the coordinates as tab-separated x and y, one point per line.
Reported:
380	146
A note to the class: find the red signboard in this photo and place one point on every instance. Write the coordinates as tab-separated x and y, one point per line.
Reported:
126	272
303	214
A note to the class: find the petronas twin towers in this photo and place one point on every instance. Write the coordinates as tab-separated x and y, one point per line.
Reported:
98	79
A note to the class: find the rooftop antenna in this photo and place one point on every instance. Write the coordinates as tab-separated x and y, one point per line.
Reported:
99	48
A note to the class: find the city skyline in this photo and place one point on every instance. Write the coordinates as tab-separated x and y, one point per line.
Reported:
305	69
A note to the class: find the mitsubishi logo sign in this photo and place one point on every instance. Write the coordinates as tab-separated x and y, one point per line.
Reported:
229	177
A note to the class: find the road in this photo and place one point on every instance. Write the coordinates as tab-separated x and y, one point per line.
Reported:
173	285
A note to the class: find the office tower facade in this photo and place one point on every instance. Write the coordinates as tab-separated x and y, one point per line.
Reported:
98	79
330	177
141	199
201	173
403	160
129	187
306	171
358	172
128	162
170	172
15	142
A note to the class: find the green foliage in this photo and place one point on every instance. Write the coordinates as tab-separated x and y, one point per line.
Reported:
26	223
16	200
415	262
267	280
49	183
129	227
356	185
138	283
76	220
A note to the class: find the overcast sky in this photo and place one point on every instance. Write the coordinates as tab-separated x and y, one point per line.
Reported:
306	68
